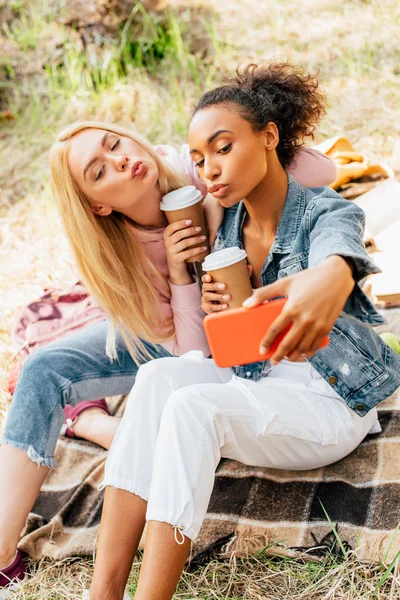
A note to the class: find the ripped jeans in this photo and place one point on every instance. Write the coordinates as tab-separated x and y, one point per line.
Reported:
68	371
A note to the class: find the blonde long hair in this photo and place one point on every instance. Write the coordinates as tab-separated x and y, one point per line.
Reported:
111	261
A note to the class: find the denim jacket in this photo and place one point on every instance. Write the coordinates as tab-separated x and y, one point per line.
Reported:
317	223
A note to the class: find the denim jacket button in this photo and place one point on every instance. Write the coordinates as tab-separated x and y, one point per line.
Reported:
360	407
332	380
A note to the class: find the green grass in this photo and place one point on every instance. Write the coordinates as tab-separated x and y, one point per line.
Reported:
146	43
27	26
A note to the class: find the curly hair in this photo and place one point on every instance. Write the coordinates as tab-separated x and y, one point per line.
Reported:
277	92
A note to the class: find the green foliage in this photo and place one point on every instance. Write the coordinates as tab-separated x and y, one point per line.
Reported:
148	45
27	25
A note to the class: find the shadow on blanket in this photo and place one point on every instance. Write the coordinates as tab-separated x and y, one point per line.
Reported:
250	507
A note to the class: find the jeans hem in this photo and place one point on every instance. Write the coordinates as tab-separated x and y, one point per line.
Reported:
40	461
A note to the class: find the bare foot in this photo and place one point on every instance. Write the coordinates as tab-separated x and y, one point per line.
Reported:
6	558
96	426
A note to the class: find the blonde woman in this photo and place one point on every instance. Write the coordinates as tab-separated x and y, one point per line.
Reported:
108	184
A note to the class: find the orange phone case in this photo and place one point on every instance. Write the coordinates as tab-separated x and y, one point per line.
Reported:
234	336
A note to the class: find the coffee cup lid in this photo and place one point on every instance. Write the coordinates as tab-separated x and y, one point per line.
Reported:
181	198
223	258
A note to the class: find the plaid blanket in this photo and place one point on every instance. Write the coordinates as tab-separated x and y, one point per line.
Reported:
251	507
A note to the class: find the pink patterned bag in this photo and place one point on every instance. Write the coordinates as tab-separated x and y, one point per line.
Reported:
53	315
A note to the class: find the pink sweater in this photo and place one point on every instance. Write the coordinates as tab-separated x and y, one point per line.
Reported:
183	302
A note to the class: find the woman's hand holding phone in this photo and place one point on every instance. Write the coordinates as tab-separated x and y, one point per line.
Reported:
178	238
315	299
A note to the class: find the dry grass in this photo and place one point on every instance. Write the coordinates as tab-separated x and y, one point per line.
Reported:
354	44
253	578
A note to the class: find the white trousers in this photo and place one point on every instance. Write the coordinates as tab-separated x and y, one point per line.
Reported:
185	413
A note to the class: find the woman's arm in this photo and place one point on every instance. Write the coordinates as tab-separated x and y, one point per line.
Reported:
315	299
185	292
317	295
188	319
337	227
312	169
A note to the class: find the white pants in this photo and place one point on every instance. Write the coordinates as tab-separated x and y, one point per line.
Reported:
185	413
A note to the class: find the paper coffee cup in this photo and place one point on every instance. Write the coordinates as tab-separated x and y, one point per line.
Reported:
184	204
229	266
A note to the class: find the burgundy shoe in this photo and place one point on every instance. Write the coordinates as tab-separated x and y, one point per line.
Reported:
12	577
72	412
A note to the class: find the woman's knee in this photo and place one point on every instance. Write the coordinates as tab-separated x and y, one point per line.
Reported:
187	404
37	369
150	390
155	366
156	370
189	369
41	384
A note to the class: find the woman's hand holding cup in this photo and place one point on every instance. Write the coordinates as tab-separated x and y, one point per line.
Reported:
179	238
186	229
227	281
213	296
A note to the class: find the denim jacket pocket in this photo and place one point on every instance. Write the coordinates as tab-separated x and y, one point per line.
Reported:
292	265
361	347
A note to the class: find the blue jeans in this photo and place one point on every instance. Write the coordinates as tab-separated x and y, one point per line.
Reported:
68	371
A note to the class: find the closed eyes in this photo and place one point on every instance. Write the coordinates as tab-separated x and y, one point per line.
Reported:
101	171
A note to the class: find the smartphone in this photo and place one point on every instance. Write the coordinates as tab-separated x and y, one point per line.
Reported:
234	335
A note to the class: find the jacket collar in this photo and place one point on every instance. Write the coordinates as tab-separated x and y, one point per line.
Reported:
289	223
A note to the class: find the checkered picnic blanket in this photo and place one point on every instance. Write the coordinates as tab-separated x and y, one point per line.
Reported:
251	507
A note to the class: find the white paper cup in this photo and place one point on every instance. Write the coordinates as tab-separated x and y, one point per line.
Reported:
181	198
224	258
184	204
229	266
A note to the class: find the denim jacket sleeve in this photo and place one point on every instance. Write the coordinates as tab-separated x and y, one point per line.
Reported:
336	226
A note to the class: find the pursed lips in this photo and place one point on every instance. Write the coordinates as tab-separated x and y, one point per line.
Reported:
218	189
138	169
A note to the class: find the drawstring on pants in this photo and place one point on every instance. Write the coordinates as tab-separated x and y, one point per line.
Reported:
180	529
